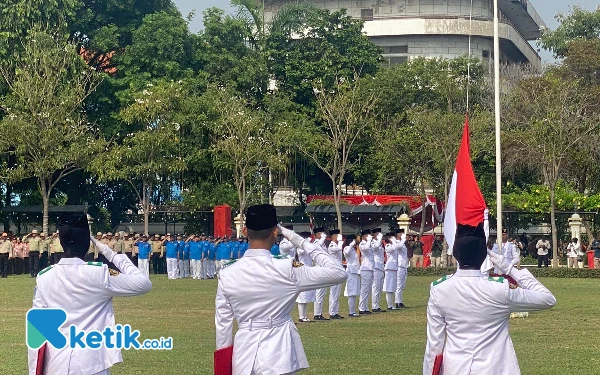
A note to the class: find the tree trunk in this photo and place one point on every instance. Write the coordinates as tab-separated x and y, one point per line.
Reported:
423	208
146	207
553	224
46	199
7	203
336	201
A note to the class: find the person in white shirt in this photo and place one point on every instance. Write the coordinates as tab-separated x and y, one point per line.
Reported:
85	291
543	248
573	250
378	270
320	238
468	313
335	249
403	263
307	296
510	251
366	271
286	249
352	290
391	269
258	291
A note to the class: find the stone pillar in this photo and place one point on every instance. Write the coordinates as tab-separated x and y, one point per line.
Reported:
404	222
575	223
239	225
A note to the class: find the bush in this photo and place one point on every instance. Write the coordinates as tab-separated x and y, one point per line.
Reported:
562	272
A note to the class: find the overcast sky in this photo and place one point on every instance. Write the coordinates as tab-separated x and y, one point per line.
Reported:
547	9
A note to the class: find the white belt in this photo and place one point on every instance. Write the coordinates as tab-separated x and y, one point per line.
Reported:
251	324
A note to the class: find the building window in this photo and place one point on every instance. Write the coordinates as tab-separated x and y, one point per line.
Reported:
398	60
485	54
366	14
395	49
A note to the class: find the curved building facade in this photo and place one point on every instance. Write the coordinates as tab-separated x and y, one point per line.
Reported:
441	28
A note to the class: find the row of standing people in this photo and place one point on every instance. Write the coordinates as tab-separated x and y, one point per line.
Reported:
29	254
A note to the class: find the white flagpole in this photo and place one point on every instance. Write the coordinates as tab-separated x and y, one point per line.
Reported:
497	112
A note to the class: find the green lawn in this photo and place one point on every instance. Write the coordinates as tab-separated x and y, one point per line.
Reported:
560	341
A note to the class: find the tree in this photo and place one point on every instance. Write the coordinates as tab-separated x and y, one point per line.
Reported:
45	128
580	24
547	117
331	46
145	156
243	142
345	113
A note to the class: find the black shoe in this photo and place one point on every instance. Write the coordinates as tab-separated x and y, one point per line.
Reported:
378	310
320	317
354	316
364	312
304	320
402	306
336	316
398	306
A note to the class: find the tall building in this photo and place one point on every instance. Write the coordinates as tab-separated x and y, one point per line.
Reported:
441	28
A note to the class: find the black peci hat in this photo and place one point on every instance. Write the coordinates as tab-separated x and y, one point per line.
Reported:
334	232
74	233
319	230
365	232
261	217
376	230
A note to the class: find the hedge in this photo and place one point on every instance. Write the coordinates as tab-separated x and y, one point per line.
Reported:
562	272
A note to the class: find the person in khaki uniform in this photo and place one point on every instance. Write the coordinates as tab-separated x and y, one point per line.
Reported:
119	244
128	243
5	254
44	251
57	249
417	247
34	242
157	254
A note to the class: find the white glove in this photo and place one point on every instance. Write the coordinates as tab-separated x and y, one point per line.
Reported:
500	263
369	238
340	238
353	243
104	249
379	236
393	240
403	237
292	236
323	236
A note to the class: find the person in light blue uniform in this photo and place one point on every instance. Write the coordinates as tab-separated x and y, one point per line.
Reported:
204	245
195	251
244	246
235	248
275	250
223	253
181	258
172	255
144	251
212	256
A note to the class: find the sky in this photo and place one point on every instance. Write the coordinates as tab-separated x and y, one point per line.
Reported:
547	9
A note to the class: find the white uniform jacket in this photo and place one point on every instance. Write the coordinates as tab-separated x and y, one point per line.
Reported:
368	256
335	250
352	263
510	251
85	291
402	253
378	255
262	302
392	256
470	313
286	249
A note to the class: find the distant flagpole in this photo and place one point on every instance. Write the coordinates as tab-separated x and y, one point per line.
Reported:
497	122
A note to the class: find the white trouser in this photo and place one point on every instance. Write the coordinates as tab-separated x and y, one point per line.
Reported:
172	270
144	267
203	268
210	268
400	283
220	264
377	286
186	268
180	269
334	299
196	268
366	285
319	301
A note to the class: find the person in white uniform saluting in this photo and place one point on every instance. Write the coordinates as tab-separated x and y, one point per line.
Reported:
352	290
366	271
84	290
468	312
335	249
308	296
378	269
259	291
320	238
286	249
391	269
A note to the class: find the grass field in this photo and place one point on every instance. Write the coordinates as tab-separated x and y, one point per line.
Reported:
561	341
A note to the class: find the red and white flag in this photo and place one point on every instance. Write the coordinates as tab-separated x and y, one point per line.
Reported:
465	205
